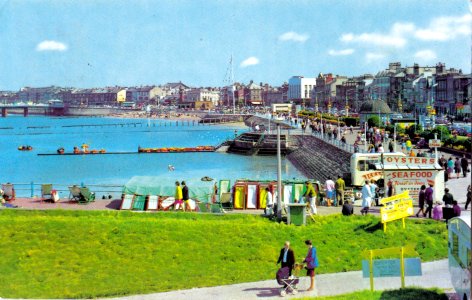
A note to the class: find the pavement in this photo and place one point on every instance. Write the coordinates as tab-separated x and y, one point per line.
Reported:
434	274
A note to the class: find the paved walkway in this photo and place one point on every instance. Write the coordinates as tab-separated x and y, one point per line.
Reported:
435	274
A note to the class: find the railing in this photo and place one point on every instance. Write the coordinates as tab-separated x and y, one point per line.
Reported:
337	143
34	189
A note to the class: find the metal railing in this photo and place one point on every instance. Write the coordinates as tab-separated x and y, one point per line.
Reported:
33	189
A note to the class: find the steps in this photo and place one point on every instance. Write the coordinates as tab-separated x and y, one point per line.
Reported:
317	159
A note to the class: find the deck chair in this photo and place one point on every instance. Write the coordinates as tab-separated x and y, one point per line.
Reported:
46	191
224	203
224	187
127	202
202	207
139	202
86	196
8	192
152	203
74	193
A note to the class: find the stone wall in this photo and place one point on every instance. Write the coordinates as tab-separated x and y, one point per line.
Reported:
317	159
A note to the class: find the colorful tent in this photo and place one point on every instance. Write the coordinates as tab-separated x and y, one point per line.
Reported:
165	186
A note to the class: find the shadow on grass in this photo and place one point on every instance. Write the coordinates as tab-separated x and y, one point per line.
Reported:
265	292
370	227
413	294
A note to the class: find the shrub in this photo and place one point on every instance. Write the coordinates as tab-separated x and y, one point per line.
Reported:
373	121
351	121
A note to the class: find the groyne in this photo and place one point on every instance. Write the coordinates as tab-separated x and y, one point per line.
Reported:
316	158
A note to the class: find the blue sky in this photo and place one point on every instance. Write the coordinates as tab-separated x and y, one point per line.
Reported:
104	43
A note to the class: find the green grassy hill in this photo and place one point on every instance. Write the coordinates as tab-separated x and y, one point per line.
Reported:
70	254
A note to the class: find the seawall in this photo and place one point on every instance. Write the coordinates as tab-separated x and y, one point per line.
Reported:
317	159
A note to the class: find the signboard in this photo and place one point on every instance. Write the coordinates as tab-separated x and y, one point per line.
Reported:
434	143
391	267
409	160
396	207
412	180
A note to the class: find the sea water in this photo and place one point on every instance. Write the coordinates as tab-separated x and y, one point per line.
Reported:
47	134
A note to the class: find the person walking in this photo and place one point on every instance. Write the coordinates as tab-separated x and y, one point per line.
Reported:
390	188
311	261
340	186
178	196
448	199
366	198
287	257
185	196
469	196
373	190
310	197
464	165
428	198
457	167
442	161
390	146
330	190
450	167
421	201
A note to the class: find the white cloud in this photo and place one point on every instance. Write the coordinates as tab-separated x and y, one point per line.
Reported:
341	52
395	38
370	56
293	37
425	55
250	61
51	46
446	28
442	28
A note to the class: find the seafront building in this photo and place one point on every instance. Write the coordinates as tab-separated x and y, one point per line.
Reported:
300	90
412	89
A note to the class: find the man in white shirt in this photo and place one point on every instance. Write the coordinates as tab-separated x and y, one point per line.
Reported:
366	198
269	203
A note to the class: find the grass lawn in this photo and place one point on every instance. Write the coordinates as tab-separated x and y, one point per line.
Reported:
404	294
70	254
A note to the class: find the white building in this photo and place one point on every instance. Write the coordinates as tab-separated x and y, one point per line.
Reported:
200	94
300	88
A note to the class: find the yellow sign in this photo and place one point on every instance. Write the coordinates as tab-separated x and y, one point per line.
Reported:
396	207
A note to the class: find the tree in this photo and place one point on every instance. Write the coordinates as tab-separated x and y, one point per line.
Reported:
373	121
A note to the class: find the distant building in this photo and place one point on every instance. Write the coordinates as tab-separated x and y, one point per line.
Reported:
40	95
452	93
208	98
253	94
109	96
352	92
324	94
300	90
144	94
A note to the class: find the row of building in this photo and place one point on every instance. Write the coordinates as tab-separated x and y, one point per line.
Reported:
414	88
420	89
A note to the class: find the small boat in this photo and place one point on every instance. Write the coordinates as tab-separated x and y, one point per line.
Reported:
25	148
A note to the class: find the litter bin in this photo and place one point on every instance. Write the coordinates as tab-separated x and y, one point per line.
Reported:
296	214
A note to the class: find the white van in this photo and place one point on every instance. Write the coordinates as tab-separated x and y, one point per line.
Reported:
459	255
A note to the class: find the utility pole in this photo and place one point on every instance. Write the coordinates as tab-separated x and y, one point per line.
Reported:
279	175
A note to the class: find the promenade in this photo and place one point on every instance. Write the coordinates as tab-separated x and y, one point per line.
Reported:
434	274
